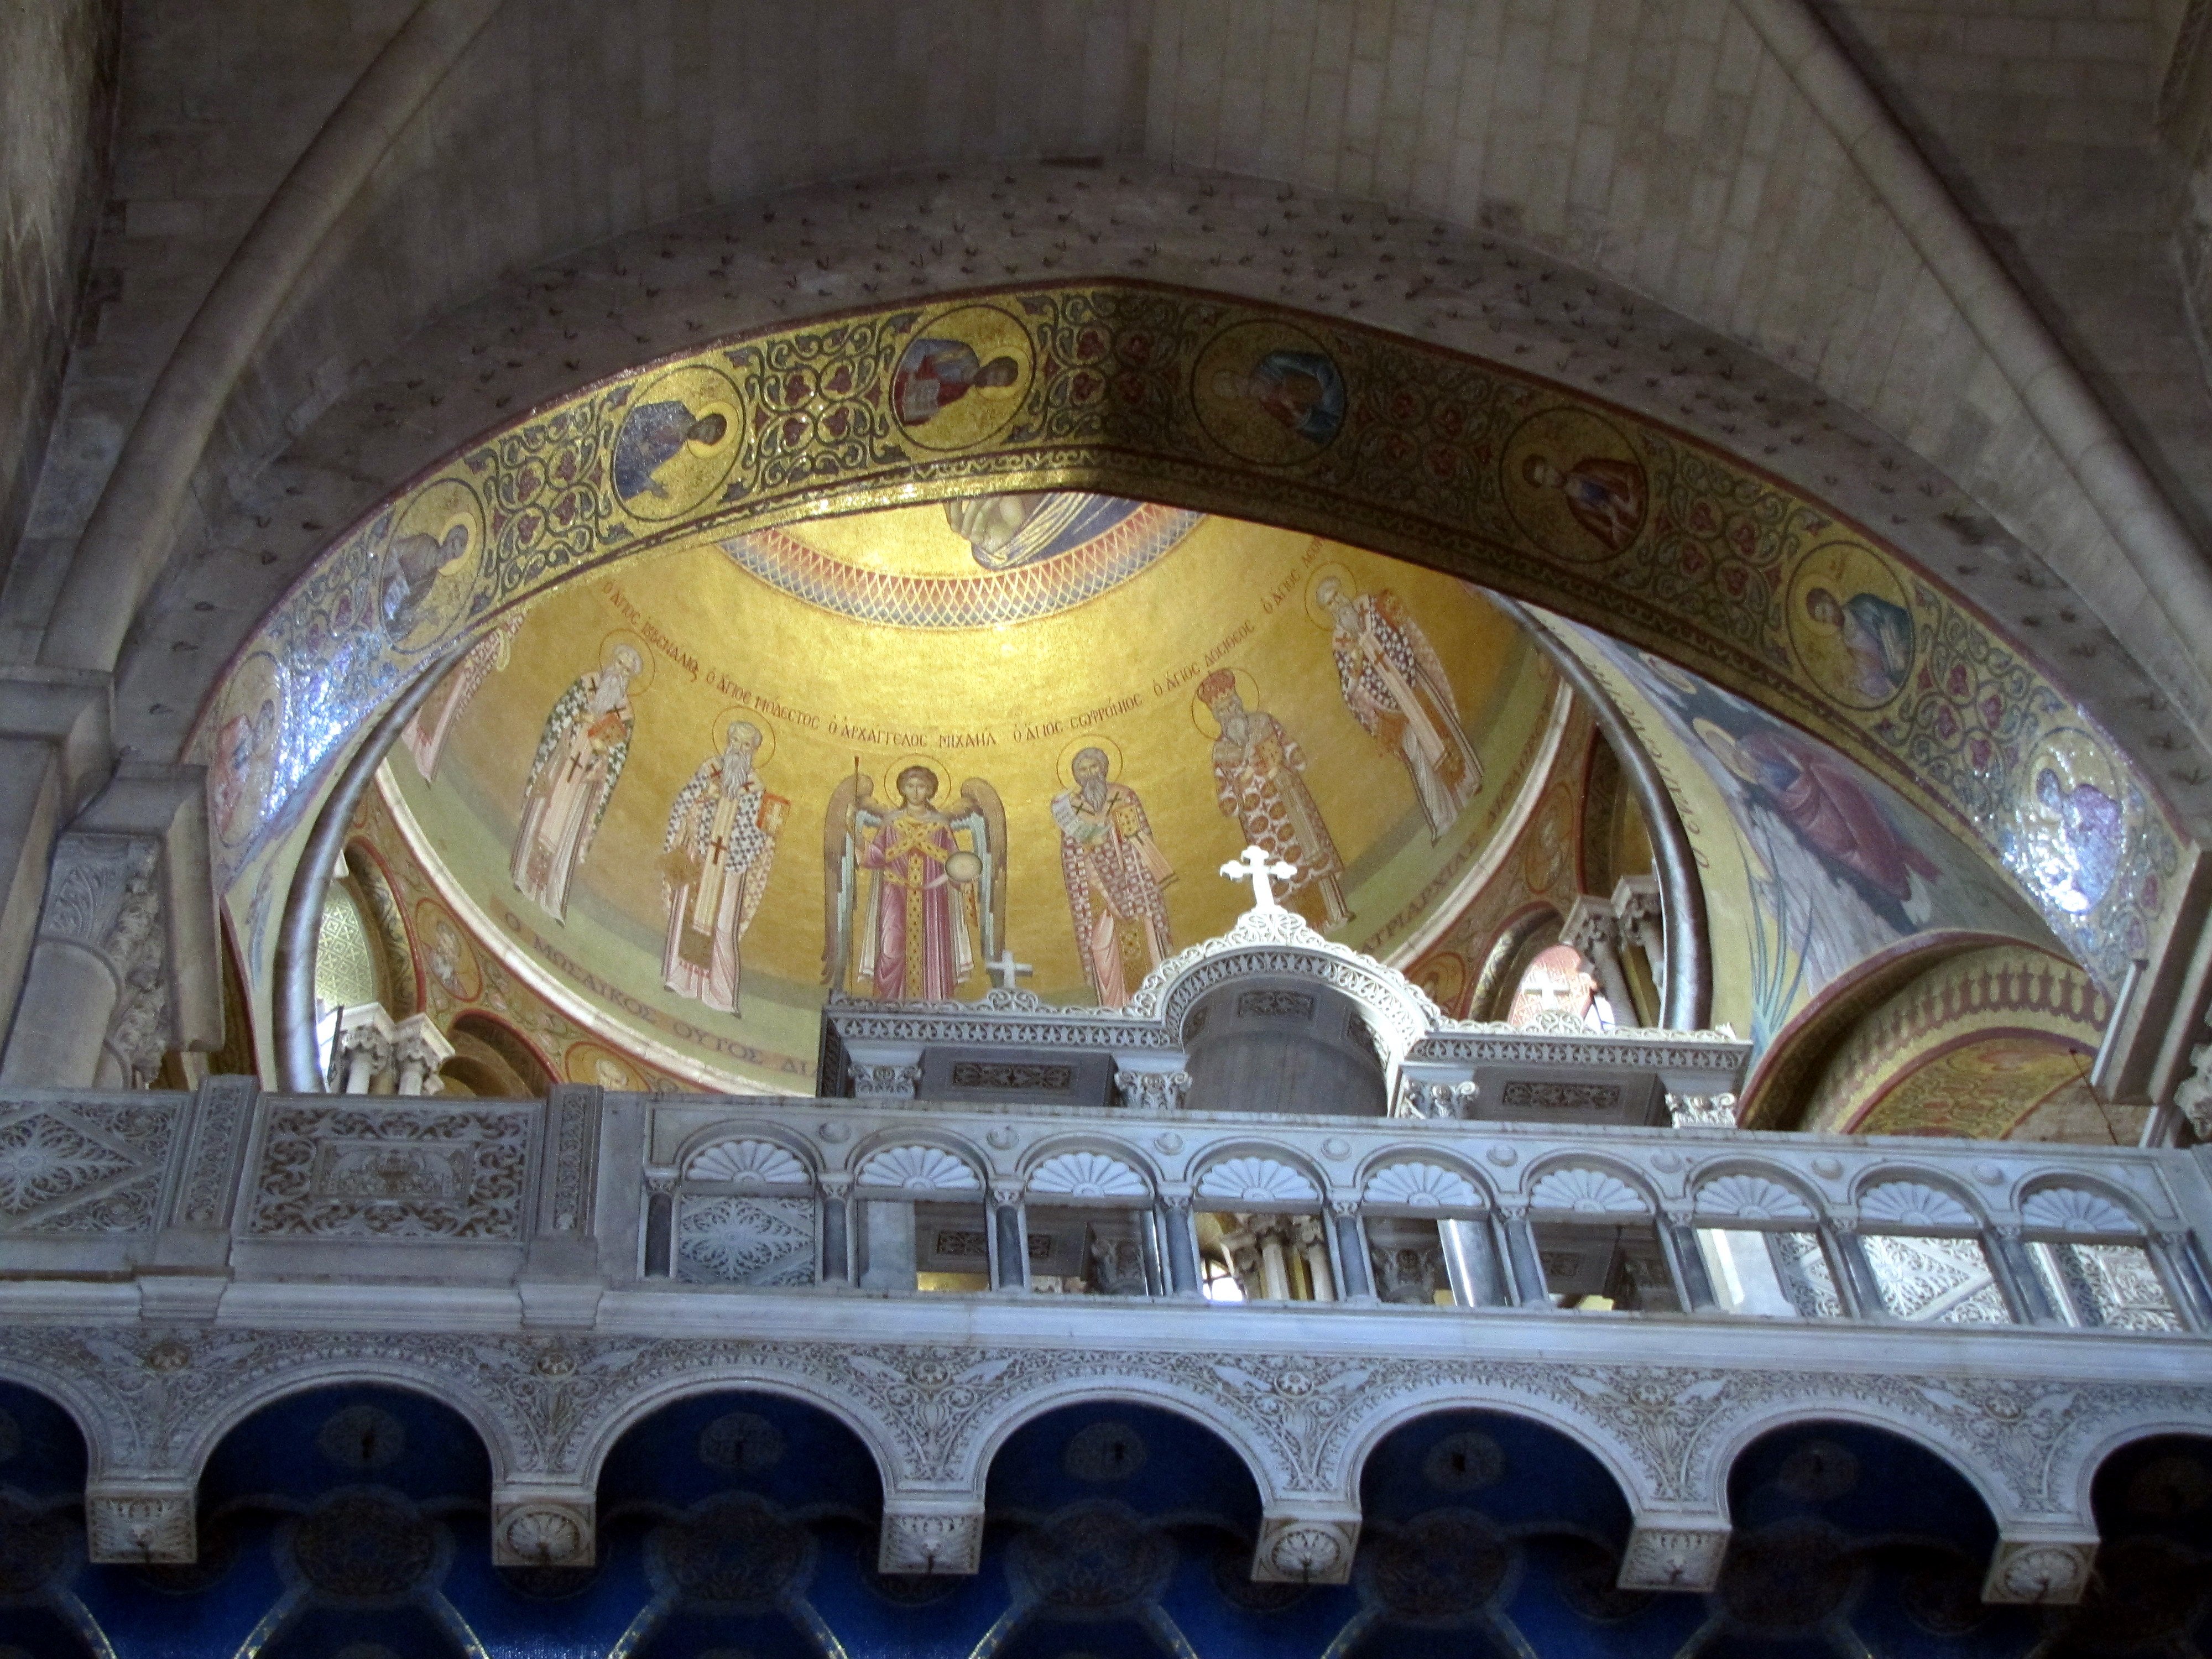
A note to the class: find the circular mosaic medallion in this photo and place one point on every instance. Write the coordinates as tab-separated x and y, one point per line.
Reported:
735	1551
1269	393
960	376
2073	819
243	763
362	1437
678	440
1105	1451
1439	1568
1466	1461
423	569
1574	484
365	1545
1850	625
1942	1594
1788	1576
740	1443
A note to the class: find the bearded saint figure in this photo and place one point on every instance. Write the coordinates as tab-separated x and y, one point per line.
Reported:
1256	779
579	761
1114	873
716	860
1394	685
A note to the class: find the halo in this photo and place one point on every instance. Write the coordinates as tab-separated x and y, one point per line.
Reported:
1202	717
733	425
1064	767
1722	744
1315	612
718	734
646	654
936	770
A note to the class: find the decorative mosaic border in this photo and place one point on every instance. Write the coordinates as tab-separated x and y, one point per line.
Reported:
1220	406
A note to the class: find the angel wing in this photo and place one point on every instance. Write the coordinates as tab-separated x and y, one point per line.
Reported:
852	798
985	814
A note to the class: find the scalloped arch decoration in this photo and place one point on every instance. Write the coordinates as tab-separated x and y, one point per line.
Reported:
919	1170
761	1162
1087	1175
1915	1203
2077	1210
1258	1180
1423	1186
1750	1197
1585	1191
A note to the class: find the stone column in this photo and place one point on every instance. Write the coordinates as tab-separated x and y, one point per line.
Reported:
126	964
1010	1266
1312	1241
1471	1263
418	1049
930	1533
150	1519
2018	1282
887	1244
1643	927
56	753
1691	1282
1527	1266
1352	1249
659	1224
1857	1287
363	1049
1671	1551
1592	929
836	1229
1274	1259
1182	1239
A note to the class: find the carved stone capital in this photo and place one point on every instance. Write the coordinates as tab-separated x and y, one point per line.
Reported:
886	1082
833	1186
1675	1552
1702	1111
144	1521
1155	1092
2050	1571
543	1527
1298	1548
1005	1195
943	1539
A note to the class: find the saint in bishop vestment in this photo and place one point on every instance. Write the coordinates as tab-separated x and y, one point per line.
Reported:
1394	685
1114	874
1258	780
716	860
580	758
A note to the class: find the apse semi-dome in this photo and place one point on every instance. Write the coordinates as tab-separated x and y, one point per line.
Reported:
693	794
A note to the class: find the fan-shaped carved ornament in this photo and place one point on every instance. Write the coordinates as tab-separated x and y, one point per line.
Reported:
1751	1198
2073	1210
1586	1192
1423	1186
1913	1204
1257	1181
1087	1174
919	1170
761	1162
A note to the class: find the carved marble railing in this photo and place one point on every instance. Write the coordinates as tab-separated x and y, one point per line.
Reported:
556	1269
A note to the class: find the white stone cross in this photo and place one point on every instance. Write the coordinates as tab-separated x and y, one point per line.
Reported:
1251	865
1006	970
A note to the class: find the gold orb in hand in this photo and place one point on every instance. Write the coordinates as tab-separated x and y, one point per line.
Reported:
964	868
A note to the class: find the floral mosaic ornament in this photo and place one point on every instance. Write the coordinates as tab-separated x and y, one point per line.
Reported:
1145	392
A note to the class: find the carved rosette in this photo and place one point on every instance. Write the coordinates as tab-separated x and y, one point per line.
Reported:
931	1541
543	1531
2047	1571
145	1524
1305	1549
1681	1555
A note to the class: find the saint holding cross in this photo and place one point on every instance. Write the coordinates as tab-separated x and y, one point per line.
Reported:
579	761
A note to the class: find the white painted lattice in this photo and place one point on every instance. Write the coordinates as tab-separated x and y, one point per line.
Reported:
2106	1286
757	1241
1942	1281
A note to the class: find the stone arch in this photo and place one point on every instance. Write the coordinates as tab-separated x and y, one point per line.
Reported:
1269	1477
1487	543
485	1046
597	1439
2079	1474
1723	1452
55	1393
1517	943
1616	1457
736	1398
303	1375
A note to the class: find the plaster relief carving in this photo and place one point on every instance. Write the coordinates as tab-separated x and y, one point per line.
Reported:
1661	1557
1293	1549
930	1541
